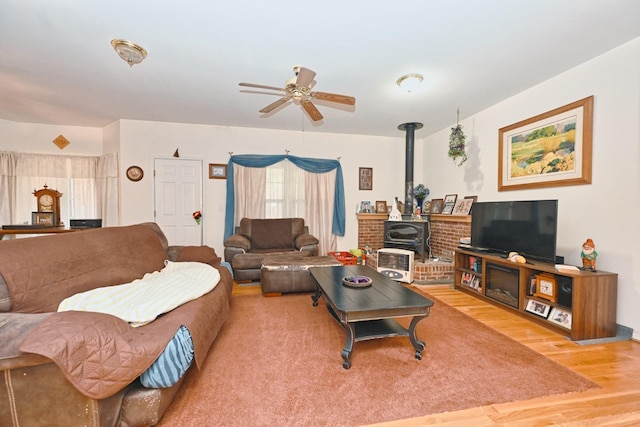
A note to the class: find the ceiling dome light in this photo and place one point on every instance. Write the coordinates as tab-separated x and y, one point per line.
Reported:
130	53
410	82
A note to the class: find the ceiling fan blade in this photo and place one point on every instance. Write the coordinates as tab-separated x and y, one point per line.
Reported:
261	86
305	77
311	110
274	105
333	97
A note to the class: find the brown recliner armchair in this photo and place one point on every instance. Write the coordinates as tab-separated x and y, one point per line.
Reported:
254	239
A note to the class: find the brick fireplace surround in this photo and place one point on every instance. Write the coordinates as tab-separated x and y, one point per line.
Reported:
446	232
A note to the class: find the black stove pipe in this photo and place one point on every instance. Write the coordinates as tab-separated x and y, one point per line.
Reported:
409	155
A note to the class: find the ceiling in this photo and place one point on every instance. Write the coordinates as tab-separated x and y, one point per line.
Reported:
57	65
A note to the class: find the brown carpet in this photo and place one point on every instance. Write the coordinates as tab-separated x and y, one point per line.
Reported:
277	362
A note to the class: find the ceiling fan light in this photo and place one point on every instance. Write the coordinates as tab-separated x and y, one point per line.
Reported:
130	53
410	82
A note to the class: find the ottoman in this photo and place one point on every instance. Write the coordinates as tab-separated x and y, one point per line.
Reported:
284	274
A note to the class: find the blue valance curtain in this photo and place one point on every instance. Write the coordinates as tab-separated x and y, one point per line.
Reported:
307	164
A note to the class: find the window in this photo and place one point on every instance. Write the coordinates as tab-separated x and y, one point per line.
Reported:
284	191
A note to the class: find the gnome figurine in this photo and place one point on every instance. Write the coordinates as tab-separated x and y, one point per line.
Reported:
589	255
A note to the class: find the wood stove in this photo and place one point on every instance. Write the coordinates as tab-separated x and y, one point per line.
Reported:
409	235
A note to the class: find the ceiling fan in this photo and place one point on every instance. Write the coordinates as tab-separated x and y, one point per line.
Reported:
298	89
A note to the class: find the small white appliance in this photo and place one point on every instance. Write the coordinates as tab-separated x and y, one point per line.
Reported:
397	264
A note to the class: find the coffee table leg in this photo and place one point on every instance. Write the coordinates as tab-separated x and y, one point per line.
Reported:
348	347
418	345
316	296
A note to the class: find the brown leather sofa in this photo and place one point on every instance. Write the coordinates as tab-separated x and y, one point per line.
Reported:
37	273
254	239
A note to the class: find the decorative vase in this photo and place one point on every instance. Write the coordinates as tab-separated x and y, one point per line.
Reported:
420	201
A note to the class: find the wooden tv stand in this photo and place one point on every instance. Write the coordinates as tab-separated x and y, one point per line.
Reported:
588	298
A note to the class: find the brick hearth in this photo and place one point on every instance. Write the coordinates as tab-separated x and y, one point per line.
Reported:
446	231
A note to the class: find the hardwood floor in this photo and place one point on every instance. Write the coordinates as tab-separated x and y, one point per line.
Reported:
615	367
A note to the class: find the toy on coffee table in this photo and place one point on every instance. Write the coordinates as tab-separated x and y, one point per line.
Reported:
589	255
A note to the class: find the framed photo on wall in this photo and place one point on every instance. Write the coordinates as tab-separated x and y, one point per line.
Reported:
366	179
217	171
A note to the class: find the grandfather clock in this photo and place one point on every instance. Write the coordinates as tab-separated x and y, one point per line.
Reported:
49	201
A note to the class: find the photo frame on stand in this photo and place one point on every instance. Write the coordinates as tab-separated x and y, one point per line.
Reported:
44	219
462	207
436	206
560	317
449	204
538	308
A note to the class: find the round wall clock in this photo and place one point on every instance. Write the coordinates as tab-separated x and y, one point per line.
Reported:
135	173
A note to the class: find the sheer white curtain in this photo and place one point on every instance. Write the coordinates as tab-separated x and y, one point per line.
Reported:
82	201
7	187
76	177
250	194
107	189
285	191
34	171
320	189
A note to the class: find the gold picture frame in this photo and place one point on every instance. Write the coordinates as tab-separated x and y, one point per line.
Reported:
552	149
217	171
381	206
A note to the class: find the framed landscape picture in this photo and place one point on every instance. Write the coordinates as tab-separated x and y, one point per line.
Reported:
548	150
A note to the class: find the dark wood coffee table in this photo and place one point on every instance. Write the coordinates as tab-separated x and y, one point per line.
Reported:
369	313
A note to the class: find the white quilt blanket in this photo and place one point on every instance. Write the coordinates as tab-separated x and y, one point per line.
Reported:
142	300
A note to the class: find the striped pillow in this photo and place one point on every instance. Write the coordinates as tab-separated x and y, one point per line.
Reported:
171	365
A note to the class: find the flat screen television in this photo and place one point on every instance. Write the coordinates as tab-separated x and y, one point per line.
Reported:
527	227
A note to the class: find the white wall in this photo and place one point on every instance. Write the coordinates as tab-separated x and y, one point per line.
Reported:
606	210
142	141
38	138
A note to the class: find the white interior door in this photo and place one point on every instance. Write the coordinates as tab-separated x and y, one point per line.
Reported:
178	194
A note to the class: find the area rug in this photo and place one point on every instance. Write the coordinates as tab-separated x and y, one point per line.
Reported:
277	361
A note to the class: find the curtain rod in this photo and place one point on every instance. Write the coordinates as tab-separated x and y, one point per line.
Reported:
286	152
